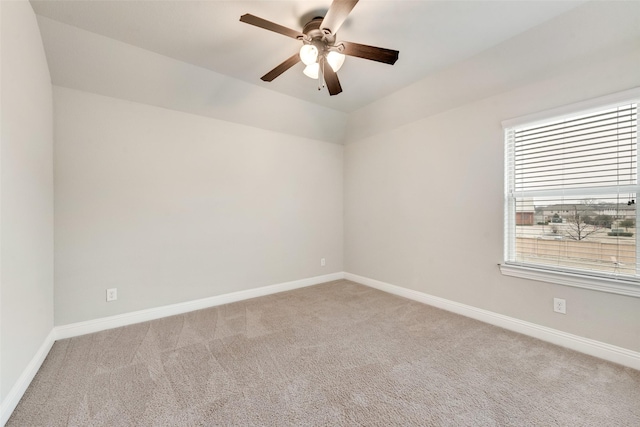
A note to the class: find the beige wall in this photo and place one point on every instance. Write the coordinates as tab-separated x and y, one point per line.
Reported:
168	206
424	204
26	214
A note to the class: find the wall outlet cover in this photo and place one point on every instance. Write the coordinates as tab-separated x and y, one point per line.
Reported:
112	294
560	305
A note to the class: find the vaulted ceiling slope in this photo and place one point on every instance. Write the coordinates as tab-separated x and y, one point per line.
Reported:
597	32
196	56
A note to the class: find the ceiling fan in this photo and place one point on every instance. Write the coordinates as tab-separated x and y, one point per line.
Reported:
320	52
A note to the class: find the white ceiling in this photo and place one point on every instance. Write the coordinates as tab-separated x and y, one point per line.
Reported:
430	35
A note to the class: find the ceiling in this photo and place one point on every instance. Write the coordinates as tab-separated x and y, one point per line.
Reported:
430	35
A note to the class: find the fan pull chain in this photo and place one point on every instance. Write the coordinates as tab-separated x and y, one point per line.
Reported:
321	75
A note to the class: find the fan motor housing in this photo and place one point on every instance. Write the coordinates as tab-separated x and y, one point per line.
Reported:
315	34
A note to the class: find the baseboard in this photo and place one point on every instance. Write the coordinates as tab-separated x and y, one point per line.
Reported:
584	345
588	346
17	391
96	325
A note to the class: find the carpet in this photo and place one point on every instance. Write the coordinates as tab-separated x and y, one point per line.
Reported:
338	353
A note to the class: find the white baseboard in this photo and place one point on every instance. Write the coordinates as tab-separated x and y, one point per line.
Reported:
588	346
17	391
96	325
584	345
81	328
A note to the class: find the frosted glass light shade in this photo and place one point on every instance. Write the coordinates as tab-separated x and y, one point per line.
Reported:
312	70
335	60
308	54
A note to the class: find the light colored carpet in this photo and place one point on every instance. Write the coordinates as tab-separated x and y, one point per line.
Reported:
332	354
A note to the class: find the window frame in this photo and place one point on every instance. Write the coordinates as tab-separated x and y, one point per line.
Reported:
581	279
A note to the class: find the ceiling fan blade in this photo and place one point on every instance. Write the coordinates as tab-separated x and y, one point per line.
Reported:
288	63
337	14
331	79
387	56
271	26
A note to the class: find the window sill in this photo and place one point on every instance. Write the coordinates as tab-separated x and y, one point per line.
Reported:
603	284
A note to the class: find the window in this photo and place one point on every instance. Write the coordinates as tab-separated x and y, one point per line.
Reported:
571	181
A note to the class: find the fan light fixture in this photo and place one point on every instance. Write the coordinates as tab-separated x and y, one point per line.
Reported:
309	57
312	70
309	54
335	59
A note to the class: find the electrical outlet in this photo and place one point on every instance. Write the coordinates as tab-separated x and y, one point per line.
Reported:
560	305
112	294
323	262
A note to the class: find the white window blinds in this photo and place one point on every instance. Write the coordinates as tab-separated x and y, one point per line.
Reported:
571	186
